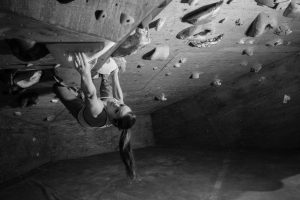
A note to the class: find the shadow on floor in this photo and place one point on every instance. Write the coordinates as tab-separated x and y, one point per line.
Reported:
166	173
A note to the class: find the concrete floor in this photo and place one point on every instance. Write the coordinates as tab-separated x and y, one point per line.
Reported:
166	174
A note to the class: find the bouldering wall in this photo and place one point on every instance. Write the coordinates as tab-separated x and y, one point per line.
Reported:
253	111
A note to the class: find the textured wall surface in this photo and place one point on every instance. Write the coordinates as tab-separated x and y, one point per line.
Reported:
247	112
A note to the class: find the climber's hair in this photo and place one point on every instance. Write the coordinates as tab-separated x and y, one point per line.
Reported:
124	123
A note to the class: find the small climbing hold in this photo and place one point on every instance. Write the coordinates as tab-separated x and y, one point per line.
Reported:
242	41
274	42
70	58
158	53
177	65
260	23
50	118
140	66
286	99
202	15
187	32
155	68
287	43
262	79
256	67
126	19
168	74
18	113
182	60
158	24
162	97
238	22
222	20
217	82
193	2
54	100
293	10
248	51
57	65
229	1
196	75
34	139
269	3
29	65
206	43
282	30
37	154
251	41
244	63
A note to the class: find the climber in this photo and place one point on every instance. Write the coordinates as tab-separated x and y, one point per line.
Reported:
101	112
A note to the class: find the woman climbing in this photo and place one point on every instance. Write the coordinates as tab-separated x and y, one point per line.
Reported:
101	112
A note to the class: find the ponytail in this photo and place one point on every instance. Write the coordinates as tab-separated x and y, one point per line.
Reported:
127	154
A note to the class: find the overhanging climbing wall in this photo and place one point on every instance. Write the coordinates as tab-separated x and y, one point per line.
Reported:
74	21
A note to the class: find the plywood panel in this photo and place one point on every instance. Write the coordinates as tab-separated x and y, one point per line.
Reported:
96	18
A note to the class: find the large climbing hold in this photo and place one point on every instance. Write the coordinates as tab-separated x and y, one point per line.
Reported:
270	3
259	25
203	15
158	53
293	10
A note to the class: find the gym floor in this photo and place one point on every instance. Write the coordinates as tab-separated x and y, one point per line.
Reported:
165	173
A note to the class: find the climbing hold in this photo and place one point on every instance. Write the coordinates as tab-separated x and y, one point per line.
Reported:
242	41
162	97
256	67
126	19
274	42
286	98
64	1
244	63
260	23
195	75
238	22
203	15
217	82
193	2
187	32
293	10
34	139
57	65
283	29
158	53
100	14
262	79
229	1
155	68
248	51
54	100
206	43
158	24
251	41
29	65
270	3
182	60
168	74
177	65
50	118
222	20
140	66
18	113
70	58
27	78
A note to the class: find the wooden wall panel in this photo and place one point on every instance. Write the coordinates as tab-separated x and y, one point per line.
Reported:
79	16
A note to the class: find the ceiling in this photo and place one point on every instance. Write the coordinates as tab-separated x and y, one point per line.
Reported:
221	61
